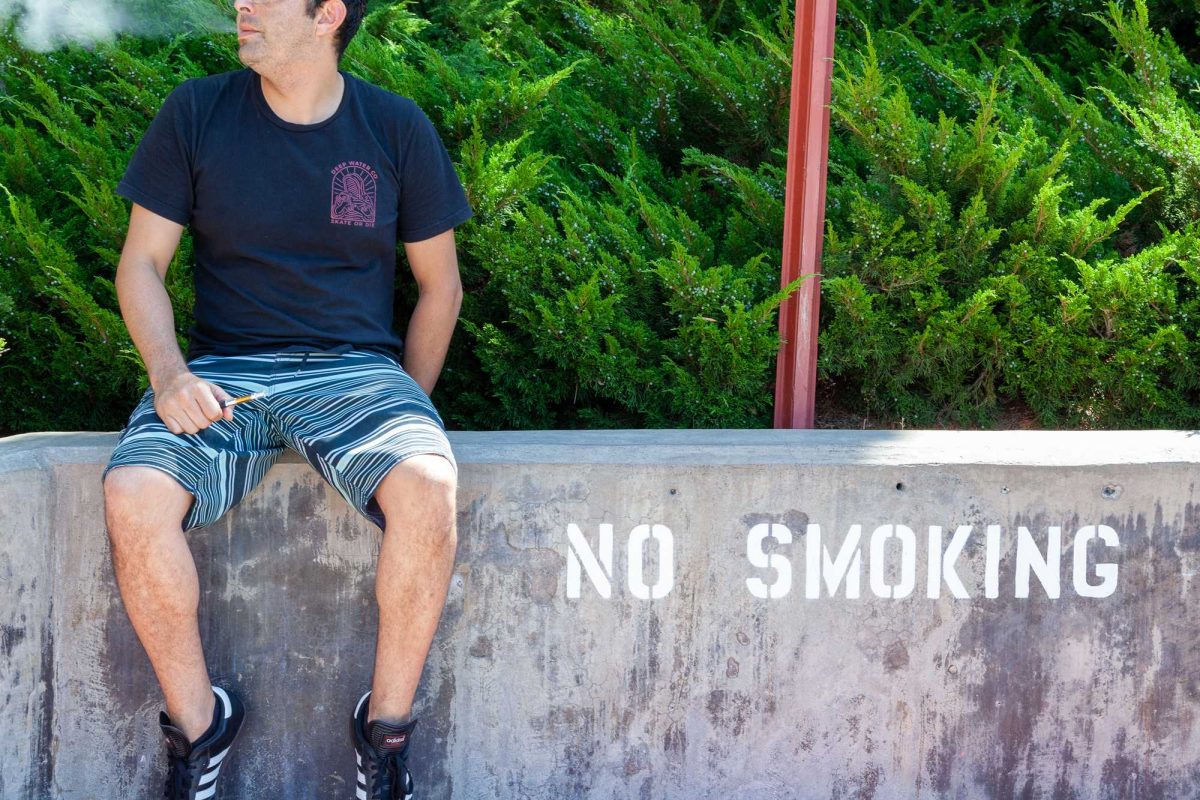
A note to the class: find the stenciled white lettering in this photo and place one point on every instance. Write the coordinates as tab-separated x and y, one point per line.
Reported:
818	564
991	578
908	561
638	540
833	570
942	562
582	558
1107	572
1030	559
580	554
758	558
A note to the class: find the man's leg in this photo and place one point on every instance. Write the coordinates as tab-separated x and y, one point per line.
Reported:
415	564
144	509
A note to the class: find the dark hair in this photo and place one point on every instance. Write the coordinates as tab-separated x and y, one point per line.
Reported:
354	16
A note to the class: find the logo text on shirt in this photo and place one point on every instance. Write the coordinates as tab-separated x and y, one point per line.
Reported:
353	195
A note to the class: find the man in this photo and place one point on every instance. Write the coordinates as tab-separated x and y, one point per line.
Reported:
296	179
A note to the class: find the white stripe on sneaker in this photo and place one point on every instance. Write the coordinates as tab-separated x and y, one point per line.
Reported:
226	703
361	700
212	762
207	793
361	795
209	777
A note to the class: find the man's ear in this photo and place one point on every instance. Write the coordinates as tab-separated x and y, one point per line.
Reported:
330	16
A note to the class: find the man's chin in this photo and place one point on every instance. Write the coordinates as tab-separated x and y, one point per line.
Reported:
249	55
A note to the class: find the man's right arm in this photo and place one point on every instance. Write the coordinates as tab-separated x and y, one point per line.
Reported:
184	402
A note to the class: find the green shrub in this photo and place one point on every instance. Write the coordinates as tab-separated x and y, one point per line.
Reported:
600	288
1012	210
71	120
972	262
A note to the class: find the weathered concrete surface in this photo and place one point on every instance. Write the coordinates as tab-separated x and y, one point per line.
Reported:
705	692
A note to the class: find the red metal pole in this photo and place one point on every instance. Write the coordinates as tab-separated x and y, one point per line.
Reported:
804	212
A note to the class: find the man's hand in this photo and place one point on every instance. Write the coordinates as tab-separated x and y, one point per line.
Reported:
189	404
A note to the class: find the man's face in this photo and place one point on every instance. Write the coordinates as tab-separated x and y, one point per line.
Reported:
272	33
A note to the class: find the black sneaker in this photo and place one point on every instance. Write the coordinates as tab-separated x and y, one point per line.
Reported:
192	774
382	751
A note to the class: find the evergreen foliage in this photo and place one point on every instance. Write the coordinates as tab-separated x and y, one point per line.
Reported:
1014	226
1013	209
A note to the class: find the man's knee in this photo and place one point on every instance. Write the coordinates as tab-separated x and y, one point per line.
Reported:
141	498
420	492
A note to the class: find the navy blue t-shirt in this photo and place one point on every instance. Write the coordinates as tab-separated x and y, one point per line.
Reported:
294	226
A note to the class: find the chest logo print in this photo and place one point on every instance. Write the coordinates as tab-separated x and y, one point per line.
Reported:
353	195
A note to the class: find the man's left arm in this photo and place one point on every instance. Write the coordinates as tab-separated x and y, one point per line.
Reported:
434	264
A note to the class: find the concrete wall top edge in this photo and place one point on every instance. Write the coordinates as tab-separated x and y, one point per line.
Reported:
818	447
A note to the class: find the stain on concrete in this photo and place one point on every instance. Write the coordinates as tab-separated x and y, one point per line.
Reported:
482	648
439	722
530	491
1126	777
540	580
795	520
10	637
675	741
716	706
729	711
43	744
895	656
637	759
1063	790
303	500
939	761
863	785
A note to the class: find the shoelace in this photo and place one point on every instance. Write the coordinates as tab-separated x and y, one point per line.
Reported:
181	776
387	773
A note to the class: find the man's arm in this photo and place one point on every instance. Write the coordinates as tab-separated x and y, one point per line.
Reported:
434	264
184	402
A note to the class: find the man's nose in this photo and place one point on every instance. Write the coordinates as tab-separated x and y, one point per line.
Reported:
242	5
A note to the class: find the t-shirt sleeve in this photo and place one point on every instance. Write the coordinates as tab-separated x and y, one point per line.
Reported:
159	176
432	198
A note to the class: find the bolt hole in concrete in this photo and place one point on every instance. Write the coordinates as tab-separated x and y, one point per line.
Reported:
900	486
1111	492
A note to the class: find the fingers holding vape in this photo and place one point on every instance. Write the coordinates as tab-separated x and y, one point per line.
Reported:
189	404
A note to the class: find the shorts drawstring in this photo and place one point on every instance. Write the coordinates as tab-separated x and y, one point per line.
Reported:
301	358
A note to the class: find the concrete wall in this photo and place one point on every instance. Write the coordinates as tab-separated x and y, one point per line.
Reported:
682	682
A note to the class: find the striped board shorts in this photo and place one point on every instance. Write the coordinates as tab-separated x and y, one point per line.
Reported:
351	414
